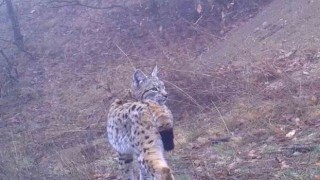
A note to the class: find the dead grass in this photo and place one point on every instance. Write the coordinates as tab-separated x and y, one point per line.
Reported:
259	115
55	127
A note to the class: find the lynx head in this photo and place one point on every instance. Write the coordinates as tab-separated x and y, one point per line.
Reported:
148	87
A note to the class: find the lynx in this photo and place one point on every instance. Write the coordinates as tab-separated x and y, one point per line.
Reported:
141	129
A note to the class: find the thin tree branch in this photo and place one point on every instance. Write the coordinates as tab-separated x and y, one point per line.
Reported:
224	122
10	67
63	3
31	56
130	61
6	40
18	38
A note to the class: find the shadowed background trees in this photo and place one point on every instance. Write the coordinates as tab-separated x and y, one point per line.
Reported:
18	38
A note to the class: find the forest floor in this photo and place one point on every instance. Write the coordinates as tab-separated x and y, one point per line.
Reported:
244	88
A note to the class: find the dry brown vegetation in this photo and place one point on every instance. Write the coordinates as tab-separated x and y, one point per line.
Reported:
235	118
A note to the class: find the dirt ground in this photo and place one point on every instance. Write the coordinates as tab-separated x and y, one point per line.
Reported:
244	90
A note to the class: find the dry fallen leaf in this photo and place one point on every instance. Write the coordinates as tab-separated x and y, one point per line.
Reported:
297	121
291	134
194	145
283	165
197	162
199	8
282	162
231	166
253	154
314	100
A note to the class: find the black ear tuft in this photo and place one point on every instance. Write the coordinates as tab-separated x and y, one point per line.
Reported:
167	139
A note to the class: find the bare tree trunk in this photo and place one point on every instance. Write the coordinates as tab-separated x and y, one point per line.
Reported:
10	68
18	38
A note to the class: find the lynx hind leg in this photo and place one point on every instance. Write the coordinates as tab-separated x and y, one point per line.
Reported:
126	163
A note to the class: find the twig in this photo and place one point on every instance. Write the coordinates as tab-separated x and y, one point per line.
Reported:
70	3
308	163
186	94
78	3
193	166
109	7
15	152
194	73
130	61
198	20
161	47
197	28
299	148
224	122
169	99
31	56
5	40
220	140
10	67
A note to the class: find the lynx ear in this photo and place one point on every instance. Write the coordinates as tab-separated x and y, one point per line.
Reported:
155	71
138	78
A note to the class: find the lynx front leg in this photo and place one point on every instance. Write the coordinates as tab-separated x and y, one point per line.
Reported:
154	169
144	175
125	161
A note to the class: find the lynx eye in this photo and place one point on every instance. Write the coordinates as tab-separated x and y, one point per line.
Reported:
154	89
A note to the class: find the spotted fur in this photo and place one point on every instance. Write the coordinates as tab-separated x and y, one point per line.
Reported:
142	129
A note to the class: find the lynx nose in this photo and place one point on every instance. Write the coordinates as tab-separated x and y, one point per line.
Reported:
164	93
